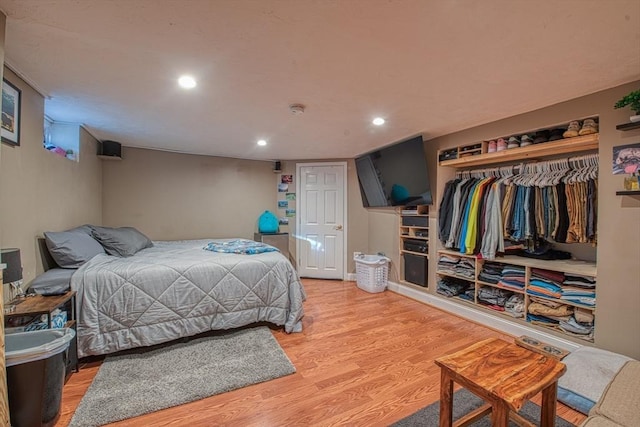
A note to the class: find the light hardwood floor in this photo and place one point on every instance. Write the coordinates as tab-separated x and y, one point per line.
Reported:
362	360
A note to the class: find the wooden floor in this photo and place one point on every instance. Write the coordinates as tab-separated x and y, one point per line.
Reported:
362	360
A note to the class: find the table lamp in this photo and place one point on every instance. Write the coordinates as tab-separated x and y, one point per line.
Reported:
12	274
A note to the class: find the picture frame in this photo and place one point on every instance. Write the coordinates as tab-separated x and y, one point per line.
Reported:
11	112
626	159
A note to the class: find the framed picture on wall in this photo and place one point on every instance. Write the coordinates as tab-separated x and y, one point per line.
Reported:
11	102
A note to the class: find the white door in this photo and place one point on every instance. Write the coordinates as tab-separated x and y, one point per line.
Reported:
321	221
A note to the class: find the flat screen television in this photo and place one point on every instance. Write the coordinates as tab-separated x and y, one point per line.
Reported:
395	175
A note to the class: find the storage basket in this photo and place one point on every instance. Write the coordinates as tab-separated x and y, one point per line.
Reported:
372	272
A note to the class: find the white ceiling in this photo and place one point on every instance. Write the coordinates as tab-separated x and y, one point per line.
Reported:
426	66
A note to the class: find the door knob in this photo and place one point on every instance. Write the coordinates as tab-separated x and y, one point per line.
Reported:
338	227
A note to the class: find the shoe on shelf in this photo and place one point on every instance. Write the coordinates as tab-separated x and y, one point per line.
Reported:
541	136
501	144
556	134
589	126
572	130
493	147
514	142
525	140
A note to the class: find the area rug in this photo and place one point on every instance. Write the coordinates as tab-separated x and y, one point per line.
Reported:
464	402
133	384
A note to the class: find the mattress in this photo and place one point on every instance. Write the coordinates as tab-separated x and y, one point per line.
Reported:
177	289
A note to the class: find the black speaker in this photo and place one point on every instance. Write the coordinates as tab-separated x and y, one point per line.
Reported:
110	149
415	269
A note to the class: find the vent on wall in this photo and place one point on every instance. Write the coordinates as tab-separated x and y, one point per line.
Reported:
110	150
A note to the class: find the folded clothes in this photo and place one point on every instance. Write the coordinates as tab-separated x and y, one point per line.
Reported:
546	302
554	276
450	286
583	316
493	296
541	319
572	325
579	278
591	302
579	284
544	310
515	305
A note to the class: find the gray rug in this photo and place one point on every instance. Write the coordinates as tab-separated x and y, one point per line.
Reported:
133	384
464	402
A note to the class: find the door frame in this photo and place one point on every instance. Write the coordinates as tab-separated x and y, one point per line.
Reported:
345	230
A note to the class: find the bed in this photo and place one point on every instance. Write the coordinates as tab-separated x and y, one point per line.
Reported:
176	289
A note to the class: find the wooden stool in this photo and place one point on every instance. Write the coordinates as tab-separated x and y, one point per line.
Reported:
505	376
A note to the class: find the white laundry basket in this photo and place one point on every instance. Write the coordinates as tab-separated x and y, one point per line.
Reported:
372	272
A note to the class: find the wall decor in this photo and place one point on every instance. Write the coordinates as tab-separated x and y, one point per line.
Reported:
11	102
290	196
626	159
283	204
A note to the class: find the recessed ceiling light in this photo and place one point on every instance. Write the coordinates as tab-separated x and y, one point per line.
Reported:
262	142
187	82
378	121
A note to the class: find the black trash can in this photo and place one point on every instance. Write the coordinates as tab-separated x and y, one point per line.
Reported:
35	375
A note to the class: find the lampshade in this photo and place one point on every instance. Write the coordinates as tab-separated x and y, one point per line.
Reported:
13	272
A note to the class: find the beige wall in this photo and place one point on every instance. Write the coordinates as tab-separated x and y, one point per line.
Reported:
41	191
618	252
171	196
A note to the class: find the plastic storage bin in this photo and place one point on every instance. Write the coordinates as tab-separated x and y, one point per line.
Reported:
35	375
372	272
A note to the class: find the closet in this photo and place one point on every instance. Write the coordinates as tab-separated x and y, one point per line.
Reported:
532	196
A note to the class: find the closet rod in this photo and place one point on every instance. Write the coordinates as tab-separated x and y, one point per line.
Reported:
571	162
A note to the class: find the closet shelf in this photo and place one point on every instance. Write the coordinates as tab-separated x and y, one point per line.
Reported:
562	146
570	266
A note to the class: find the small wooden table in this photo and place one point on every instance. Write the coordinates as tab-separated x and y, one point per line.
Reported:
505	375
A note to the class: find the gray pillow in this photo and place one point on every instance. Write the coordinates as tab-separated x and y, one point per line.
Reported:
56	281
123	241
72	248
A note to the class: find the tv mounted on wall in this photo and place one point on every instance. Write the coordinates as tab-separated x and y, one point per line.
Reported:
395	175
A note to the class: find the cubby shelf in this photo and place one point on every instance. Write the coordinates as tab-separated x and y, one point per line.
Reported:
583	268
562	146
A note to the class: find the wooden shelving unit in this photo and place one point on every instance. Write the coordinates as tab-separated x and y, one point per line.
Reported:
586	143
582	268
545	149
414	244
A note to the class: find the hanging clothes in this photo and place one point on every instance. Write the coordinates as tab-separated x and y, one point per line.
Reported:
554	200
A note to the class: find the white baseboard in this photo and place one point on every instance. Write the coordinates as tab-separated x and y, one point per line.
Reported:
494	322
351	277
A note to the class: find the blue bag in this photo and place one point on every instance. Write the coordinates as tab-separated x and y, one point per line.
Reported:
268	223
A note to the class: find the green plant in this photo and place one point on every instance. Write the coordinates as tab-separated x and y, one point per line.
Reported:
632	100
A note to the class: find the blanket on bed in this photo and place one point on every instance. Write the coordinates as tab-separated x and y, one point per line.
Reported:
176	289
241	246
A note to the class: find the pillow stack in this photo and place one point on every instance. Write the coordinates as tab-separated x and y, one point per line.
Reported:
72	248
122	242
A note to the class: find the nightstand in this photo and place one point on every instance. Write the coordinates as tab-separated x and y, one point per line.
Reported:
278	240
32	306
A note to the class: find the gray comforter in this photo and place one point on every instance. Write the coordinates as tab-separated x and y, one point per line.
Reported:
177	289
